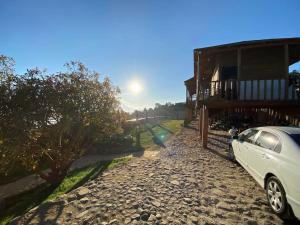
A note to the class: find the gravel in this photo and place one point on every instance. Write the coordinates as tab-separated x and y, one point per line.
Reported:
183	184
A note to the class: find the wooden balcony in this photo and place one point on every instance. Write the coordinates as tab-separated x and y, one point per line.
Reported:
191	102
249	92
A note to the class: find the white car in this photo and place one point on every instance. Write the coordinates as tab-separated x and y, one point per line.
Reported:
272	156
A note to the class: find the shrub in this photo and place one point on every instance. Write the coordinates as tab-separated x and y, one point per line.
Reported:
53	118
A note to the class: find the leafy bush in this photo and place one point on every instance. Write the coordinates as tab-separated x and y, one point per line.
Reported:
53	118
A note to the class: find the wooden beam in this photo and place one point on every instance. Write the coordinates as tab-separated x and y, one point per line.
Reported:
198	76
238	64
250	104
286	65
204	126
200	66
228	47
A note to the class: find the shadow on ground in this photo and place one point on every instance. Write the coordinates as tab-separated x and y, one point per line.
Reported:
164	128
191	127
19	204
156	139
98	170
47	213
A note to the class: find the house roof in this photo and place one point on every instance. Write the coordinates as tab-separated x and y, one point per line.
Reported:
191	86
208	54
295	40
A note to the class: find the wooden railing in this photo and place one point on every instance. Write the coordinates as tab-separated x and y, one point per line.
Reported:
191	99
251	90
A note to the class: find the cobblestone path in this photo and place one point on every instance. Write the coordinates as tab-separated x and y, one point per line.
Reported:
183	184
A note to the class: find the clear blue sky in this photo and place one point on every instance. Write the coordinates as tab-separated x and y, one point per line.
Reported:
148	40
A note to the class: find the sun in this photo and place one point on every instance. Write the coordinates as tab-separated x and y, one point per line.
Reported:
135	87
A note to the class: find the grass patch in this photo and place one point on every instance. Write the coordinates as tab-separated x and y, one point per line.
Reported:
24	202
118	162
152	135
172	125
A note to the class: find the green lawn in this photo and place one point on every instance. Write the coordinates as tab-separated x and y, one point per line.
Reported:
152	135
24	202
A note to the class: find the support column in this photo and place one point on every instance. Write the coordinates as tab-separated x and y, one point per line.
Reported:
286	66
197	77
188	110
204	126
200	123
238	64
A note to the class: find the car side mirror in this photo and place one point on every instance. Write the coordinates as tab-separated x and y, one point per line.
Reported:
241	138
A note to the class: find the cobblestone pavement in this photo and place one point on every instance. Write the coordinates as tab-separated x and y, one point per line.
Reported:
184	184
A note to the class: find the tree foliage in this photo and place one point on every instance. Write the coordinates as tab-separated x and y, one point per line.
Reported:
295	74
166	110
54	118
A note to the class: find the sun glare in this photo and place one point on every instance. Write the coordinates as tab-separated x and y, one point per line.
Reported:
135	87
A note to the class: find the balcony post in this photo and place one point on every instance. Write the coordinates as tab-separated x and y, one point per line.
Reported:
239	64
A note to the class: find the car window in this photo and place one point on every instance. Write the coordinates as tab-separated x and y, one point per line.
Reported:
268	141
296	138
250	136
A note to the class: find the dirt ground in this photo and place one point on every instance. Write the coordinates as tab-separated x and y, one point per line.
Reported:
183	184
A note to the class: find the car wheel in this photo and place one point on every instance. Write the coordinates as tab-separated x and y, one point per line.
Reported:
277	198
231	154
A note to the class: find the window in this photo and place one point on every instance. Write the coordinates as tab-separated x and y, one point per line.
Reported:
249	135
296	138
268	141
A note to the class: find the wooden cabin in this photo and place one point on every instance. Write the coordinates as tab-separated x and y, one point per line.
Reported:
242	79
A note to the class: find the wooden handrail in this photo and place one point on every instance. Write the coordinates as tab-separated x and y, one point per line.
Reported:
249	90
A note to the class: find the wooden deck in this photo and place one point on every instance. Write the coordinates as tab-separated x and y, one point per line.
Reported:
250	91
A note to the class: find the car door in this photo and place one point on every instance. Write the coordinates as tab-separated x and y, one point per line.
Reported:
260	154
246	140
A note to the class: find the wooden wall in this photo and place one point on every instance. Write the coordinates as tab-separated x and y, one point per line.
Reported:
263	63
259	63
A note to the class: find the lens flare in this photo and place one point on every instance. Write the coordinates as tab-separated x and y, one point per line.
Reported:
135	87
